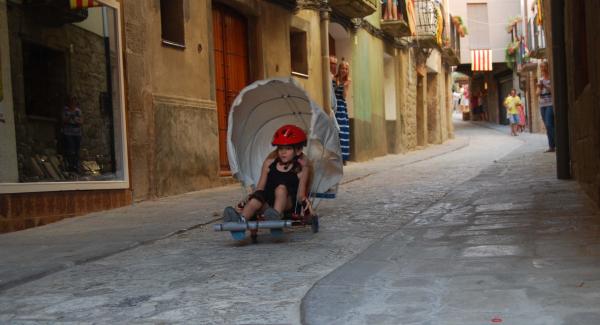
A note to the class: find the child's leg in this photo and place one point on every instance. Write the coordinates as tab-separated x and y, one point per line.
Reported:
388	10
282	199
251	208
394	9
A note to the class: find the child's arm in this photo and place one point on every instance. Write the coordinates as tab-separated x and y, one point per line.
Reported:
302	186
262	181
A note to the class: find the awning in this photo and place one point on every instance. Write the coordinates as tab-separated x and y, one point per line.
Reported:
481	60
81	4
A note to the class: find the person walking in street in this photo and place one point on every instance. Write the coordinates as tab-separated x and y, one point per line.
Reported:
511	102
342	84
544	92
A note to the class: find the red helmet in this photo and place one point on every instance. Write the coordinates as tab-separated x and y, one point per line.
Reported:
289	135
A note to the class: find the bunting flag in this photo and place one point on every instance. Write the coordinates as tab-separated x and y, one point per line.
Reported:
481	60
540	17
82	4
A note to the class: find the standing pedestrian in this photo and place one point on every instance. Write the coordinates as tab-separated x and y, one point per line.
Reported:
522	118
71	129
511	102
342	84
544	91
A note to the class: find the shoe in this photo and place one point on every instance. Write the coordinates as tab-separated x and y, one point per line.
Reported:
271	214
231	215
550	150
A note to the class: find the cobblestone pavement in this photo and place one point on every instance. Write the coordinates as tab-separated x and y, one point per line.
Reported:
199	276
513	245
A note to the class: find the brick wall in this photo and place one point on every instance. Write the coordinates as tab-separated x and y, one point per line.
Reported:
26	210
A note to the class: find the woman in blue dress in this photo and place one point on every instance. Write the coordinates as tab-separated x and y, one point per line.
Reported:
341	84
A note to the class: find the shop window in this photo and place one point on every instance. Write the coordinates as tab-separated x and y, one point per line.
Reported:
64	123
580	49
298	51
172	23
44	80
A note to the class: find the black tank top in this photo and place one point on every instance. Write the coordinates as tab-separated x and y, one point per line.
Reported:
276	178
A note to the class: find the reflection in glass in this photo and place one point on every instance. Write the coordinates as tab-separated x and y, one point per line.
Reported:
65	85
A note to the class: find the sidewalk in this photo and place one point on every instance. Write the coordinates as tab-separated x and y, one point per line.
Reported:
34	253
513	245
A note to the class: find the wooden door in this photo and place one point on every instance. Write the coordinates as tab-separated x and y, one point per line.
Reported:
231	68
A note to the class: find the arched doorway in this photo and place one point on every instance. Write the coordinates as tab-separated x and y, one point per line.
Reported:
230	33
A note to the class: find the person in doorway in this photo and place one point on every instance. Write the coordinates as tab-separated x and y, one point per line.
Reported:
72	120
464	100
333	66
283	181
475	106
455	100
544	92
333	72
511	102
342	85
483	109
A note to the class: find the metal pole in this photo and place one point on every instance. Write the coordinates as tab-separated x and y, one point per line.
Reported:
561	103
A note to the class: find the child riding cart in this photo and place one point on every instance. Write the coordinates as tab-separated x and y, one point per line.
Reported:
285	151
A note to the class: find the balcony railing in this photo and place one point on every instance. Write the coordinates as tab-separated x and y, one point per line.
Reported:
354	8
536	40
404	25
451	49
429	23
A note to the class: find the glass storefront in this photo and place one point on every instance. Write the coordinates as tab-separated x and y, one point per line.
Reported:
61	105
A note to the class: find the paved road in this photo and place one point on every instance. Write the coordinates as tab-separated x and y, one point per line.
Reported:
512	245
198	276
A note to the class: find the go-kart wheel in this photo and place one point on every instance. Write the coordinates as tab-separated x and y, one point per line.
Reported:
315	224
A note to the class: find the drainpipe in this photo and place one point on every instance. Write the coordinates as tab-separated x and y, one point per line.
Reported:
561	103
326	75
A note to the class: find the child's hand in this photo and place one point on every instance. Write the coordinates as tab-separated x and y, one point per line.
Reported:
302	161
306	207
240	206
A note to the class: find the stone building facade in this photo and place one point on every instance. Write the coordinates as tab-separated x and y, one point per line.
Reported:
571	30
168	70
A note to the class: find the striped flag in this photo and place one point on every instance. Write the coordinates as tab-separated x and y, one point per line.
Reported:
481	60
81	4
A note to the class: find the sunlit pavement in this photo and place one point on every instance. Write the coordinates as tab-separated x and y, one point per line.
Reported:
459	233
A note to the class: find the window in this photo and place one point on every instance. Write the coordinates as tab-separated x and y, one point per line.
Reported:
298	53
171	22
62	99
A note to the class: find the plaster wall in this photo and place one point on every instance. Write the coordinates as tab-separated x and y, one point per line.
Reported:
499	38
307	20
396	128
368	125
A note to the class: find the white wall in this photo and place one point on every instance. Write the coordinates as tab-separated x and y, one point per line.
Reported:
389	88
499	12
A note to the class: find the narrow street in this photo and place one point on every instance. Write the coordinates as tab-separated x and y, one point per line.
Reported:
436	236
